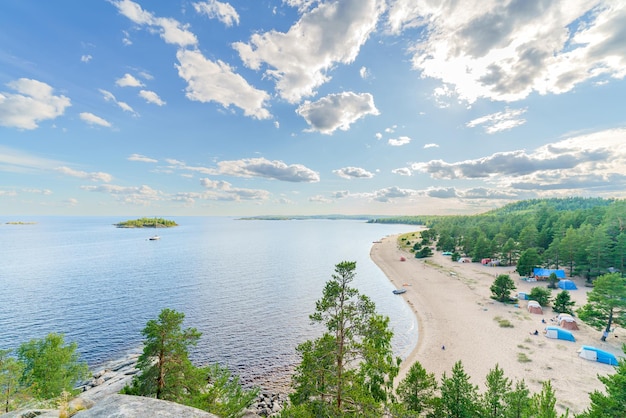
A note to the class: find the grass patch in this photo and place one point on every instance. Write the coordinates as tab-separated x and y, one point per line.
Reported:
504	323
523	358
523	347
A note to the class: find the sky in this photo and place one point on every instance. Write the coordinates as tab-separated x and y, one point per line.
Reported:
305	107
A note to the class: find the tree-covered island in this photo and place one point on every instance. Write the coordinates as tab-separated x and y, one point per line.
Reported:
147	223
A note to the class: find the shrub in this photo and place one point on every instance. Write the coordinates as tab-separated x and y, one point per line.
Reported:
541	295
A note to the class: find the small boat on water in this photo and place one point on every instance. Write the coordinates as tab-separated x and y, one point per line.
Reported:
154	238
399	291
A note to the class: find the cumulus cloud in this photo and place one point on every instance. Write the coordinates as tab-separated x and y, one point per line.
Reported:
92	119
431	145
223	190
151	97
135	195
109	97
388	194
209	81
337	111
400	141
585	162
214	9
300	59
353	172
260	167
170	30
364	73
33	102
507	50
141	158
95	176
441	192
128	81
500	121
319	199
403	171
85	58
340	194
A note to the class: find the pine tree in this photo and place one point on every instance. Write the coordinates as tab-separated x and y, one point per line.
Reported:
349	370
459	397
164	363
417	390
494	399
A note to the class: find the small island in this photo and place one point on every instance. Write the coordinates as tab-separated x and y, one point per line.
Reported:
147	223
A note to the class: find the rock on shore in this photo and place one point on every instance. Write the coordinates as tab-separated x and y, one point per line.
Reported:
100	398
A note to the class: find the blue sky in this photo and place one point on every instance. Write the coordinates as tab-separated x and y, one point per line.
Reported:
238	108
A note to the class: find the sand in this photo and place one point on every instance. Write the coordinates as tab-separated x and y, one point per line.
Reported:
452	303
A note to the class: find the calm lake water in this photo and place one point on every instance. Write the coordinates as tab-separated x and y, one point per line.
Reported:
248	286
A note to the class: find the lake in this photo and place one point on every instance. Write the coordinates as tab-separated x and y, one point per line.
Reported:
247	285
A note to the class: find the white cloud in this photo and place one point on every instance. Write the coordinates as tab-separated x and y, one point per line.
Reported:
300	59
402	140
209	81
340	194
595	161
364	73
86	58
431	145
16	161
507	50
141	158
44	192
441	192
260	167
96	176
319	199
214	9
403	171
109	97
388	194
92	119
33	103
337	111
128	81
170	30
135	195
253	167
151	97
223	190
500	121
353	172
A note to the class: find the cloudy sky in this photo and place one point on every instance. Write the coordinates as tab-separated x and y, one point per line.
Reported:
124	107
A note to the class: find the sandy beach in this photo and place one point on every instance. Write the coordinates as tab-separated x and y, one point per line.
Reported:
454	310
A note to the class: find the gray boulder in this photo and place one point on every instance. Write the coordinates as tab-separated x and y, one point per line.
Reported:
125	406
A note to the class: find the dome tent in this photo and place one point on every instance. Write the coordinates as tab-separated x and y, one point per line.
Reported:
559	333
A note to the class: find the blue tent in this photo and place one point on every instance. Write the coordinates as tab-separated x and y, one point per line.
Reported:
567	284
545	273
601	356
559	333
